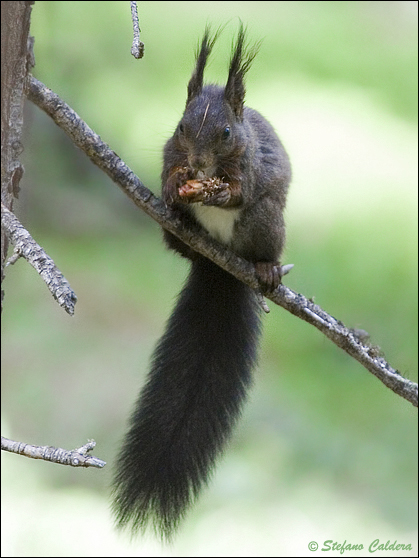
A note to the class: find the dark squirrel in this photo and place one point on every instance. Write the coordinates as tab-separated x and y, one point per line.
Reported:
225	169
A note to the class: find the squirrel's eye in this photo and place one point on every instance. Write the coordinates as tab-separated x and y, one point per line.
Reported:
226	132
181	128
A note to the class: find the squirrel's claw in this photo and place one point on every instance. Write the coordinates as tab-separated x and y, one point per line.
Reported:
270	274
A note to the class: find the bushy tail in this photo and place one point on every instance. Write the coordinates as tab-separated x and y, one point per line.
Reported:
200	373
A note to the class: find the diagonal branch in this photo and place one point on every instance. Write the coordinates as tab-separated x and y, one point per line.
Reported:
26	247
100	154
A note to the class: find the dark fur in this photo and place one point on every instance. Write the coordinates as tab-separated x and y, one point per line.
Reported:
192	398
201	368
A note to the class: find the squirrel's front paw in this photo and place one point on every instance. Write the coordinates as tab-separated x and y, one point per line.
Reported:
177	178
219	195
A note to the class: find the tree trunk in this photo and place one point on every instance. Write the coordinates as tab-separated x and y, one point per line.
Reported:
15	63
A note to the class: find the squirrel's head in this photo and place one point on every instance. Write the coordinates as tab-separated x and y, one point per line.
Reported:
210	126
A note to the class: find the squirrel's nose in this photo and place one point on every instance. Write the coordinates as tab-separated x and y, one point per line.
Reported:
200	162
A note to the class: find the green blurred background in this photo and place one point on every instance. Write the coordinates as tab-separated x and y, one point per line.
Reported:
324	451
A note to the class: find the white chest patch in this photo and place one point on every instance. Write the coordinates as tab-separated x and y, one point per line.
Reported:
217	221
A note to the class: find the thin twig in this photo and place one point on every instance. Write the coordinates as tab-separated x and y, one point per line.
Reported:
75	458
199	240
26	247
137	49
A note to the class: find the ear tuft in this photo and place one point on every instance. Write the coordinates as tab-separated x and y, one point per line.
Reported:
240	63
202	54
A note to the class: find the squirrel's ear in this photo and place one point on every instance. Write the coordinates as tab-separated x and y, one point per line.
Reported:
203	52
240	62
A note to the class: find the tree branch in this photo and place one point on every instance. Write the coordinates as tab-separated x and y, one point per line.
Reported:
100	154
137	49
26	246
75	458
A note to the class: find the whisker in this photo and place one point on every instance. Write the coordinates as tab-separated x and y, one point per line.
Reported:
203	120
